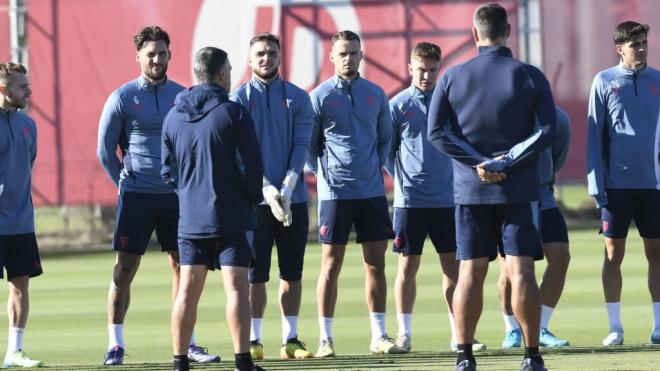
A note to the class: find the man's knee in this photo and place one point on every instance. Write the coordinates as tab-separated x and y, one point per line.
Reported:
558	256
125	269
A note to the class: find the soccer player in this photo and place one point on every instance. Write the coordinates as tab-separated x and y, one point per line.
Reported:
350	143
19	254
623	163
132	120
211	156
555	245
282	114
423	191
482	115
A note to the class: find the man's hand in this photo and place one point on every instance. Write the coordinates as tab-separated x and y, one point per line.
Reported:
490	176
288	185
272	198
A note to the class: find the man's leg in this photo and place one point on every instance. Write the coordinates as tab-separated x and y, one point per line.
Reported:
615	249
375	289
525	301
184	310
18	308
405	291
235	281
558	257
467	304
119	297
512	333
652	250
332	259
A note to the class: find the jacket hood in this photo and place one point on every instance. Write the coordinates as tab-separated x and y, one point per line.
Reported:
197	101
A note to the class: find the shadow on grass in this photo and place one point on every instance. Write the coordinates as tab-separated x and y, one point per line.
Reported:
412	361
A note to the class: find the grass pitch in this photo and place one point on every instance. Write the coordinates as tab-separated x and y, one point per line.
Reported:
67	326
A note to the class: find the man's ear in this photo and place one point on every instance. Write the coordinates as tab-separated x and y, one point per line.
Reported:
475	34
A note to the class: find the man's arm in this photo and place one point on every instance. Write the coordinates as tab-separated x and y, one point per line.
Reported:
316	141
303	121
384	130
562	141
390	164
440	131
529	149
33	148
168	169
110	129
248	148
595	156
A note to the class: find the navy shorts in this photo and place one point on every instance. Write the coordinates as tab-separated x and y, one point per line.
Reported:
411	225
233	251
290	241
138	214
19	255
370	216
480	229
553	226
625	204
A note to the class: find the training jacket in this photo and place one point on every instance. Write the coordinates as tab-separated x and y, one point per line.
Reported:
488	107
283	117
423	176
623	140
210	154
350	138
133	120
552	159
18	150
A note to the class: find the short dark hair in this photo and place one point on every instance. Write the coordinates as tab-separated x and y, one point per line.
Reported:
265	36
8	69
426	50
209	61
629	30
491	21
345	35
150	33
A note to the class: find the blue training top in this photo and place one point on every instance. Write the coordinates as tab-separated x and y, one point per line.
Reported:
18	150
623	142
488	107
132	119
552	159
202	136
423	176
283	118
350	138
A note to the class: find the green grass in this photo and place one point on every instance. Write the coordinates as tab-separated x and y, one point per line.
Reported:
67	326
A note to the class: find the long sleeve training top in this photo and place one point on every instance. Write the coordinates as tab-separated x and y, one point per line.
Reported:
423	176
623	140
18	150
132	119
488	107
552	159
350	138
283	117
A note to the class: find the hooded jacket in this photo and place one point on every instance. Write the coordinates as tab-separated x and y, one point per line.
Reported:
18	150
211	156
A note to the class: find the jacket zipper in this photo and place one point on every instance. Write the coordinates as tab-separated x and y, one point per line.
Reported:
635	81
156	96
268	97
350	95
11	133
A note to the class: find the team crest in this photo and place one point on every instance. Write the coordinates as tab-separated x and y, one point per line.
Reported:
123	241
323	231
605	225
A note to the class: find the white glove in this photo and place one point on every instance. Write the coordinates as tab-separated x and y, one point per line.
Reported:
272	198
288	185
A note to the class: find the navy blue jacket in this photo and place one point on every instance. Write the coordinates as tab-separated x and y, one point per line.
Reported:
210	154
488	107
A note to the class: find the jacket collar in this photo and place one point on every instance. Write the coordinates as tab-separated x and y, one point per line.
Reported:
261	85
495	51
340	83
625	70
417	93
144	84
